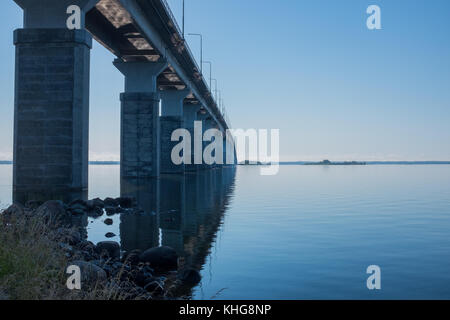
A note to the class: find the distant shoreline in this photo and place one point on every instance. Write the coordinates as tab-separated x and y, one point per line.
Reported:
292	163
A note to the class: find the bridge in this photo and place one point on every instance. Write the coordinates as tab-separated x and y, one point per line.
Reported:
164	90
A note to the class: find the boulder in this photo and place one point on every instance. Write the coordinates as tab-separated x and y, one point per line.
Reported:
126	202
110	202
108	221
110	235
110	211
91	274
54	213
96	212
111	248
78	202
69	236
132	257
161	258
33	204
14	210
96	203
190	277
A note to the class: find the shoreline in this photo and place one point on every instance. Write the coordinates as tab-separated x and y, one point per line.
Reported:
107	272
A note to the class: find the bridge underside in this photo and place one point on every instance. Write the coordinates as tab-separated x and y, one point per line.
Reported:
51	131
114	27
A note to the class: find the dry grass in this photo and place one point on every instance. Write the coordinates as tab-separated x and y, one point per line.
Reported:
32	265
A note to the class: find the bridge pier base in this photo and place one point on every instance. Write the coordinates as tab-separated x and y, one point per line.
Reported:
51	109
51	124
139	141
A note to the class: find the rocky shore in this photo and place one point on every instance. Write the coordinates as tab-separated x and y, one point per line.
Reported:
150	274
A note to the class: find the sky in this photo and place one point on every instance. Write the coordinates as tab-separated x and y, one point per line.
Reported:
310	68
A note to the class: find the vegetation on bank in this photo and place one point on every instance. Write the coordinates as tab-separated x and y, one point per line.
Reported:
40	241
33	263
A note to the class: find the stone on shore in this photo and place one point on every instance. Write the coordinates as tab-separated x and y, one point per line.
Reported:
54	213
190	277
161	258
111	248
90	273
14	210
126	202
110	202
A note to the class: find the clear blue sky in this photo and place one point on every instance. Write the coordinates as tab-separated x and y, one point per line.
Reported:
310	68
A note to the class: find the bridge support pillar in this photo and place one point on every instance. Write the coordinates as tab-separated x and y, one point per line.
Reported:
171	120
51	109
207	123
190	116
139	154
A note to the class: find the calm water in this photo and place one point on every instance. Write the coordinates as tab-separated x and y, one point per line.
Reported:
308	233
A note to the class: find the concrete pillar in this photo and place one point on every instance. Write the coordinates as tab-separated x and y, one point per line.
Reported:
51	116
171	120
190	116
203	118
229	150
139	141
210	123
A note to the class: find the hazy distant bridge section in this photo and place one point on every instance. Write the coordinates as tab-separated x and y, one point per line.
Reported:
51	129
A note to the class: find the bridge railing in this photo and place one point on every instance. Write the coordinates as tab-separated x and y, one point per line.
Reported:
188	49
172	16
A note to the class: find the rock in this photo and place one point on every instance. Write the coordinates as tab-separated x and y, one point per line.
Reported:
161	258
108	221
111	248
66	247
90	205
54	213
126	202
110	235
142	278
190	277
132	257
110	202
97	212
69	236
78	202
33	204
98	202
14	210
90	273
77	212
110	211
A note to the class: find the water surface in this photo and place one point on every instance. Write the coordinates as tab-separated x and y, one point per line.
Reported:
309	232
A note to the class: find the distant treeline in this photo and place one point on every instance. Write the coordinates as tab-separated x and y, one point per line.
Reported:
373	162
90	162
294	163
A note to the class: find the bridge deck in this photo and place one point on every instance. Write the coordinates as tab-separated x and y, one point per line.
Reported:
136	30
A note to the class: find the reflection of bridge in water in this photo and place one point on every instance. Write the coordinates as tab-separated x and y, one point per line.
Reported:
180	211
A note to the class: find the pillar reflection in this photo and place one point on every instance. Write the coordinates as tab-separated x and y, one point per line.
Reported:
184	212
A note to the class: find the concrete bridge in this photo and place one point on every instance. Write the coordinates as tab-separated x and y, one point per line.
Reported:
51	129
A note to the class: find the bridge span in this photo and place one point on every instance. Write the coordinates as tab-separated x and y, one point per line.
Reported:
51	129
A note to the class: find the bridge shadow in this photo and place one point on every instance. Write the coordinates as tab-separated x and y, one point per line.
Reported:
184	212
